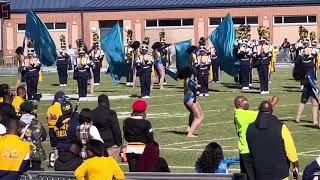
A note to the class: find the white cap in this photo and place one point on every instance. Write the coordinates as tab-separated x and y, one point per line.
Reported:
3	129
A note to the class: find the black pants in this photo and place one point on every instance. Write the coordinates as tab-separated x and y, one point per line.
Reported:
263	71
215	71
82	86
130	74
96	74
203	79
35	165
32	87
63	74
246	166
132	161
250	75
145	83
244	75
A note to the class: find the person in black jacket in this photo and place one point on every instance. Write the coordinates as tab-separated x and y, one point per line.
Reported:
106	121
137	132
65	132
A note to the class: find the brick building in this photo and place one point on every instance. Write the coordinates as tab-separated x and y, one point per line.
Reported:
181	19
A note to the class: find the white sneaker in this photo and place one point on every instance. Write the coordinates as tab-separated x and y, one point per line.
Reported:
245	88
270	82
213	82
128	84
65	85
206	94
250	85
146	97
96	84
82	99
165	83
61	85
266	92
302	87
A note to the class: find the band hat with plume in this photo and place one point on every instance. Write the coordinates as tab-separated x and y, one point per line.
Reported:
202	41
63	42
162	35
203	48
80	46
313	37
264	33
30	48
303	32
145	43
243	31
129	35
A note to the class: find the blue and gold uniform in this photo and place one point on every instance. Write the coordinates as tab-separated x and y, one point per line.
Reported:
145	63
31	70
63	62
96	58
244	54
264	55
82	75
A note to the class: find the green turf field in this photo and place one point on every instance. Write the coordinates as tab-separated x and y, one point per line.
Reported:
169	117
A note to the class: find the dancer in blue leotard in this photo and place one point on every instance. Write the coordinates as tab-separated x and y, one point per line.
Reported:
193	106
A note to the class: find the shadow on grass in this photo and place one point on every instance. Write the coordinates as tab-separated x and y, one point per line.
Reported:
250	92
55	84
291	87
105	91
176	132
311	126
134	96
231	85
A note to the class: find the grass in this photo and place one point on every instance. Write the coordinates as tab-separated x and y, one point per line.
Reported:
169	116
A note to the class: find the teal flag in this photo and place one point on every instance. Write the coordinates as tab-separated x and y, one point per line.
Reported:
112	45
183	59
223	40
43	44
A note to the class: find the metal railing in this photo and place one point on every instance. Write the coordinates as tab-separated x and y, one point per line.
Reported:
51	175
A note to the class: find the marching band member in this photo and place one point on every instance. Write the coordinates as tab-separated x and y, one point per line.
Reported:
96	58
31	69
244	53
264	55
129	58
203	63
159	66
145	63
82	71
62	62
163	52
314	52
215	66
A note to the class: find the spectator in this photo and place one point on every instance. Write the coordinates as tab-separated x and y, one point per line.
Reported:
33	131
7	112
150	160
16	163
20	98
242	118
311	169
137	132
97	166
65	131
213	161
53	113
71	53
271	146
4	90
86	131
106	121
285	48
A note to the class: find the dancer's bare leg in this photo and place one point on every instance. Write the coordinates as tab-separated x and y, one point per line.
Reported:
134	78
300	111
198	117
315	111
162	74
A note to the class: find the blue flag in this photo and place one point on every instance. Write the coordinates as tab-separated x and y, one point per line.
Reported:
42	41
223	40
112	45
183	59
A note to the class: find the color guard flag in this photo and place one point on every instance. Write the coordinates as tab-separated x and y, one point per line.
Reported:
112	45
43	44
223	40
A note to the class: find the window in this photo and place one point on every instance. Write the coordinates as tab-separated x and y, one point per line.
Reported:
187	22
238	21
294	19
251	20
214	21
169	22
109	23
60	26
175	22
151	23
21	27
50	26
